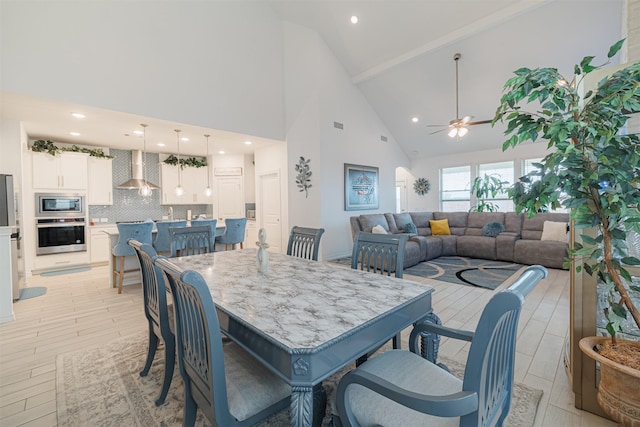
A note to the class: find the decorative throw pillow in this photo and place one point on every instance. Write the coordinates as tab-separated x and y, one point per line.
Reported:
492	229
439	227
555	231
411	228
378	229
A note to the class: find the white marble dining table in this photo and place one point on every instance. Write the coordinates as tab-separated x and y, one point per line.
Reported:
305	320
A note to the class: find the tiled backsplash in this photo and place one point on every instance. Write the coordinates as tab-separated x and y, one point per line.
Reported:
128	205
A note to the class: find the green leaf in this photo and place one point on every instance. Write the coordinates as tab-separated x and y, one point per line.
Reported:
619	310
615	48
635	288
629	260
610	329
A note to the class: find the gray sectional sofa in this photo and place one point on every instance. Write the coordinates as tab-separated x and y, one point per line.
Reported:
519	241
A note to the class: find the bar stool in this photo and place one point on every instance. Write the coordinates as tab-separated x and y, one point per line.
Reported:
211	223
162	242
233	233
140	231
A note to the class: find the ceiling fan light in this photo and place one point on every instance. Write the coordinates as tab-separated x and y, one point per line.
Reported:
462	131
453	132
465	120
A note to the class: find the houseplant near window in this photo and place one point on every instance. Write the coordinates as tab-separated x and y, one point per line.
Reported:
485	188
594	169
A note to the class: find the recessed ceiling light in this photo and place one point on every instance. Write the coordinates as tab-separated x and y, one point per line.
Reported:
414	120
248	142
184	139
78	115
354	19
74	133
160	144
138	132
220	152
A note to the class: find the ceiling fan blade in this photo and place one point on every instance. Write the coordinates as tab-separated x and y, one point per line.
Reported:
436	126
438	131
479	122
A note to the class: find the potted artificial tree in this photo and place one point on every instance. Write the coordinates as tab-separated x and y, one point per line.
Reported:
594	169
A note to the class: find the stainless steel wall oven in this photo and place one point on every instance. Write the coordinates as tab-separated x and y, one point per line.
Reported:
60	223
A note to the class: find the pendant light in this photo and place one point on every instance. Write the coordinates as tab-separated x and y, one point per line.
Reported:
207	189
145	189
179	188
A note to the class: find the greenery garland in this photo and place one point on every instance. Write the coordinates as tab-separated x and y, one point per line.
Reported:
192	162
42	146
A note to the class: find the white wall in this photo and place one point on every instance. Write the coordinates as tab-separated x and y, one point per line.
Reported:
208	63
318	92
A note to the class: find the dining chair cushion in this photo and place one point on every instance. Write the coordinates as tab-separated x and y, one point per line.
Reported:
251	387
162	242
409	371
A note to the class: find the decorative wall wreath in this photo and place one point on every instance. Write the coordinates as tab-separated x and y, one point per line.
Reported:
421	186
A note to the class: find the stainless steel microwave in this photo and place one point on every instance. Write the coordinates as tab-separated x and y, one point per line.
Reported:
50	205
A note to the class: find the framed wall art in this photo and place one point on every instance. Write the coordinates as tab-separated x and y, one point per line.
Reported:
360	187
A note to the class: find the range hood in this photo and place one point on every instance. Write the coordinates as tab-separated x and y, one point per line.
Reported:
137	181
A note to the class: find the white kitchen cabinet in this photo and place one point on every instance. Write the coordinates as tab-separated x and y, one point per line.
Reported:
64	171
193	180
99	248
230	197
100	185
61	261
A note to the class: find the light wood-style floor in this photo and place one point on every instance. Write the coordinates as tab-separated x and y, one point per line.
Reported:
80	310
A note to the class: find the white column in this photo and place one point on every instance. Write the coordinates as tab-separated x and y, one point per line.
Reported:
6	291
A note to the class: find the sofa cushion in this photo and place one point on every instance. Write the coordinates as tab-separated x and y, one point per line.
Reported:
492	229
449	245
401	220
555	231
548	253
532	227
391	224
476	247
513	222
421	220
367	222
439	227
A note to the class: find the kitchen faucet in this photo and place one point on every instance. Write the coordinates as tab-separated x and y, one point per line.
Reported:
170	213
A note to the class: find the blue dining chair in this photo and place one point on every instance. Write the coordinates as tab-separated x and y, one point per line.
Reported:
194	240
402	388
207	365
140	231
162	242
379	253
233	233
154	291
304	242
213	223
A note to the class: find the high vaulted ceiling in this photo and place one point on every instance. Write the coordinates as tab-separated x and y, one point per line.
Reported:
400	55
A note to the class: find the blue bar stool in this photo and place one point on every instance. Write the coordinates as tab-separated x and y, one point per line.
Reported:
162	243
210	222
140	231
233	233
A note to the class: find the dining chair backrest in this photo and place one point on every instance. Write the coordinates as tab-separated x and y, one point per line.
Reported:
140	231
154	291
162	242
234	231
379	253
202	362
193	240
304	242
213	223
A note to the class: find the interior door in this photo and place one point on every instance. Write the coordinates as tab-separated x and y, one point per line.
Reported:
269	197
401	196
230	197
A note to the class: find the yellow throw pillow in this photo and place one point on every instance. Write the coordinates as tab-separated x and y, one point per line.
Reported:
439	227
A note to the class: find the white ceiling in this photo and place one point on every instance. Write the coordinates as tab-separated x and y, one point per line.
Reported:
400	55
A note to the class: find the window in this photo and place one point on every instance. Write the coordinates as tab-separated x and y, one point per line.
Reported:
455	189
527	167
504	172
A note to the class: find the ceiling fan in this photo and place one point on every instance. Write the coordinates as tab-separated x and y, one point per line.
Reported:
458	127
